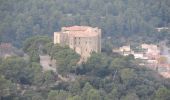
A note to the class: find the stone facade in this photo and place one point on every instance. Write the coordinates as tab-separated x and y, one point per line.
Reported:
82	39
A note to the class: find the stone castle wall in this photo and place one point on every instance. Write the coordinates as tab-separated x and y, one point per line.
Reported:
83	42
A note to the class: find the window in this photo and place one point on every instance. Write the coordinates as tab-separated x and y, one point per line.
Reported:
74	41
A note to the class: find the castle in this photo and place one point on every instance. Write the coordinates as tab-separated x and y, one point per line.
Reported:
82	39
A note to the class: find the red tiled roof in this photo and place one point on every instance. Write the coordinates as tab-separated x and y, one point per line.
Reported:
81	31
75	28
83	34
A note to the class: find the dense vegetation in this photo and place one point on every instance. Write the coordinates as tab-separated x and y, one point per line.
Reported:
105	76
20	19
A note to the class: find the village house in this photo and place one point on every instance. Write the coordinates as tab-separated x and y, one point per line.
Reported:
148	53
82	39
159	29
124	50
152	52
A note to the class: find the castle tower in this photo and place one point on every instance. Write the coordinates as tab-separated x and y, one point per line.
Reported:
83	39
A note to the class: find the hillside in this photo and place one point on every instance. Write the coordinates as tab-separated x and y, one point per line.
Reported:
42	70
102	77
21	19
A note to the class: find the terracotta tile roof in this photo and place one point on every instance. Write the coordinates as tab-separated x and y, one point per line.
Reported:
75	28
81	31
83	34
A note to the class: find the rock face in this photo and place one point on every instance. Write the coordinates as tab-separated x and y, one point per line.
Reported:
83	39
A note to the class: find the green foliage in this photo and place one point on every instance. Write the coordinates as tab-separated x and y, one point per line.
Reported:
130	96
35	46
75	98
97	61
93	95
105	76
52	95
97	64
85	91
75	88
65	58
49	77
35	43
20	71
127	74
113	95
22	19
32	95
16	69
162	94
58	95
6	87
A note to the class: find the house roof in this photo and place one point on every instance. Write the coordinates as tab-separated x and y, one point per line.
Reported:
83	34
75	28
81	31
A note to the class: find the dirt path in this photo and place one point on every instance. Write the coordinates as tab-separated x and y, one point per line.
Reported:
47	63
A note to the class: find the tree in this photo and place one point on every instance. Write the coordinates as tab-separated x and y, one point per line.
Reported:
127	74
11	69
35	45
130	96
49	78
113	95
86	88
162	94
93	95
97	64
58	95
117	63
65	58
32	95
75	98
115	17
21	71
52	95
5	87
74	87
